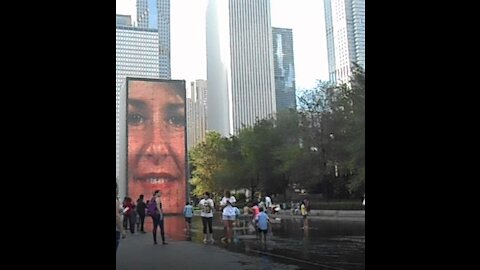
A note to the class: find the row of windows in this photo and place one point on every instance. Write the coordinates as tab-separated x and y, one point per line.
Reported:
141	71
138	35
135	55
136	51
125	62
132	63
133	48
141	32
138	60
137	42
137	39
132	30
126	71
134	36
134	45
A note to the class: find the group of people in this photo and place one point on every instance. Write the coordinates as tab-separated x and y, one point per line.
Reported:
153	208
134	214
230	213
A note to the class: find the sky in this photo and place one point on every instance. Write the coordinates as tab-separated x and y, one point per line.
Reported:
187	33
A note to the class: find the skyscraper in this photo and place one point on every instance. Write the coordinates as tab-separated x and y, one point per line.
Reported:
136	55
241	85
155	14
142	51
196	112
345	25
284	68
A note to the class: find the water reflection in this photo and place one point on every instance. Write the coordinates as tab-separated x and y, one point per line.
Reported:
325	244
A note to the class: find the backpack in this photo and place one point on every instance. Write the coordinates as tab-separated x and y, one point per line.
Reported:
152	207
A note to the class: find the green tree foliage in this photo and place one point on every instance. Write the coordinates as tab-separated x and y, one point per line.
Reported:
356	142
206	160
320	147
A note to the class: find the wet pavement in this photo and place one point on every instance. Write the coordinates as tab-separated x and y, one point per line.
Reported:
326	244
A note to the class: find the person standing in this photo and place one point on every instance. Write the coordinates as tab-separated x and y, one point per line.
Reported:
227	197
303	210
207	208
141	209
156	212
188	214
255	211
268	204
262	221
228	216
307	205
129	213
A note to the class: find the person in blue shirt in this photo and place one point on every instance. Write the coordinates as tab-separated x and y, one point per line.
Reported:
262	221
188	214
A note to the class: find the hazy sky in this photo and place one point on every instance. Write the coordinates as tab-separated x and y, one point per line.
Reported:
188	52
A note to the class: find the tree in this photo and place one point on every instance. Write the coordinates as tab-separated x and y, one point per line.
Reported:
231	175
315	112
205	159
286	152
322	147
348	130
356	146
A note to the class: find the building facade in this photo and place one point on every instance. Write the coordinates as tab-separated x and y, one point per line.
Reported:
240	74
196	112
345	28
155	14
136	55
284	65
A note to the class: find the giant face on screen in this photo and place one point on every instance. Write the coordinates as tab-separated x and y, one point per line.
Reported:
156	141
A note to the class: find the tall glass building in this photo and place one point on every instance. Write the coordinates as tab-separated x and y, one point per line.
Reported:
284	65
345	26
241	84
155	14
136	55
196	112
142	50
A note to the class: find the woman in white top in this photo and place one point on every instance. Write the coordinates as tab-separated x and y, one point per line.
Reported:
207	208
228	197
228	216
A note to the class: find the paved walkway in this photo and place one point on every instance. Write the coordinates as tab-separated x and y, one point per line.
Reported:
137	252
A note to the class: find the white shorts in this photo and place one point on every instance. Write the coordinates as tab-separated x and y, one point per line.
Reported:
224	217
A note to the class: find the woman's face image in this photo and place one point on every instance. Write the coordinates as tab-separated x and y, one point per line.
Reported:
156	142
